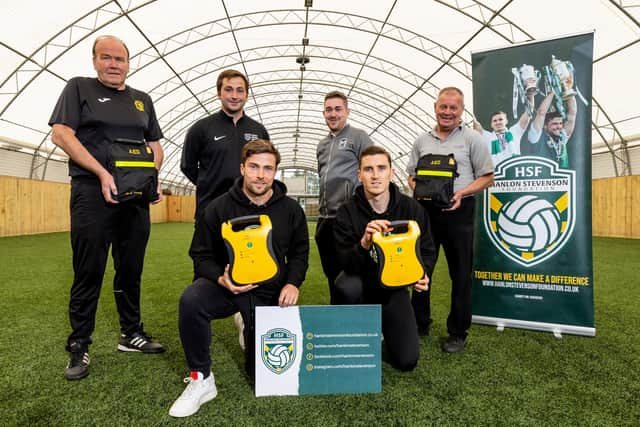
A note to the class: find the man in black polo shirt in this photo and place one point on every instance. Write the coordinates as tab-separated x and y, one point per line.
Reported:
91	114
212	147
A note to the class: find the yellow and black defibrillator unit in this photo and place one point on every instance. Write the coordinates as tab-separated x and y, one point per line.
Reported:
251	257
398	253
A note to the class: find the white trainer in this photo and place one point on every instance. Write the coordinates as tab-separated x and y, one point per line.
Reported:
198	391
237	319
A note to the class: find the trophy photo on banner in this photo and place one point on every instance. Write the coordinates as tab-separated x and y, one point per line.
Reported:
560	78
525	84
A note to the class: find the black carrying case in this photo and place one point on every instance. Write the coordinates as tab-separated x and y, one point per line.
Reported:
133	169
434	176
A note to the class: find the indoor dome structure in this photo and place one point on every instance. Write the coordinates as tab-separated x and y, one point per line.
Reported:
389	56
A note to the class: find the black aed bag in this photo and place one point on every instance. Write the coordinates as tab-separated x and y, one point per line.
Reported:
398	254
134	172
434	178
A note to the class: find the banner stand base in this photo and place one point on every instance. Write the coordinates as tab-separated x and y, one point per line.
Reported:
556	329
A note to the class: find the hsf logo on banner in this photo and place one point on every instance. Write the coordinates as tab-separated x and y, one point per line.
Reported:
530	211
278	349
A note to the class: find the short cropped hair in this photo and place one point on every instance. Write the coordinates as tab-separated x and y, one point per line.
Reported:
259	146
229	74
100	38
495	113
373	150
552	115
452	89
337	94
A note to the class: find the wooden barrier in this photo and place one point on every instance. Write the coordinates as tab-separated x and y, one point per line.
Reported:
615	209
181	208
31	207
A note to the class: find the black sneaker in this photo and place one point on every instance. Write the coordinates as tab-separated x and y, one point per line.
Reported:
78	366
453	344
139	341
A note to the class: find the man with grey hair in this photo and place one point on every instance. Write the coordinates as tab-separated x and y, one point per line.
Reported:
91	116
453	227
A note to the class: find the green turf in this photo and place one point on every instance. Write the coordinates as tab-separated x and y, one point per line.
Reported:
516	377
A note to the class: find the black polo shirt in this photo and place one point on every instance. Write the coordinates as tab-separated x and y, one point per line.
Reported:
100	114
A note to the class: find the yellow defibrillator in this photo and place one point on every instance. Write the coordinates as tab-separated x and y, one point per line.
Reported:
251	257
398	254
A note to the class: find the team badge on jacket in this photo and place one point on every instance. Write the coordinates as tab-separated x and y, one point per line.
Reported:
139	105
250	137
278	349
530	211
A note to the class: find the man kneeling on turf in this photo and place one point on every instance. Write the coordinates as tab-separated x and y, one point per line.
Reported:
371	209
213	295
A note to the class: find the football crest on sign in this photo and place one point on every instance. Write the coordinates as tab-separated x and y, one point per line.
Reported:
529	213
278	349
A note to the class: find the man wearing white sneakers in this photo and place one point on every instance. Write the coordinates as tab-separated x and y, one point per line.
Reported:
213	295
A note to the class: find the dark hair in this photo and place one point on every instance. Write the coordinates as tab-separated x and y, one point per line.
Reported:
495	113
373	150
552	115
259	146
229	74
337	94
100	38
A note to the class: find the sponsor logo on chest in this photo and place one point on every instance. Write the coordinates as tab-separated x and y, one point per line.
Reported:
250	137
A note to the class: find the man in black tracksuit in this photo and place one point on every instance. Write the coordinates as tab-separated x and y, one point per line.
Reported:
213	295
212	147
374	205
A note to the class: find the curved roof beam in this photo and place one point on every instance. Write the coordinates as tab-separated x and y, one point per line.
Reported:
254	20
49	52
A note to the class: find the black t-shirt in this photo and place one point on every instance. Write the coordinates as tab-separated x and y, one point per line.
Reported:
100	114
211	155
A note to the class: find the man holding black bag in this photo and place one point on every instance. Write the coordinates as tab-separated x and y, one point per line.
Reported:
450	154
111	135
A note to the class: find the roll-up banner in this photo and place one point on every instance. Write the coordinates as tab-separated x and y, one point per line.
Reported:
533	260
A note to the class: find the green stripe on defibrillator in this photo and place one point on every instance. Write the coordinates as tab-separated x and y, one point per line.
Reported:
126	164
435	173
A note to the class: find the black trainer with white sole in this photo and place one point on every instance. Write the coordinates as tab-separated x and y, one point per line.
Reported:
139	342
78	366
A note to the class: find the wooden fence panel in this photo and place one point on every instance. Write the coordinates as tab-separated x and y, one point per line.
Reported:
32	206
614	207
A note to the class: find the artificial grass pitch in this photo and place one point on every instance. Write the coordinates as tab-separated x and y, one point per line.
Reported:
516	377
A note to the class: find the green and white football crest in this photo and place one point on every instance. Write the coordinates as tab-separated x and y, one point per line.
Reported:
278	349
530	211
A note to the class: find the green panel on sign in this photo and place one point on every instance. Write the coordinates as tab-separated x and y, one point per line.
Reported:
341	349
